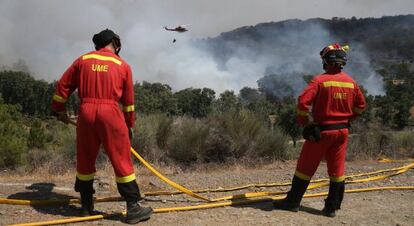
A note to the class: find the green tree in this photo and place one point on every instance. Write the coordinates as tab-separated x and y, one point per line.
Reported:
13	137
154	98
253	100
195	102
37	135
275	87
227	102
287	122
385	110
403	113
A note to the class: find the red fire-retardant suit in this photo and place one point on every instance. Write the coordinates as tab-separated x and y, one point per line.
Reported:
332	99
102	79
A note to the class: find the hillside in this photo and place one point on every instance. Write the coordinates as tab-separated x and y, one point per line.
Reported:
292	47
385	38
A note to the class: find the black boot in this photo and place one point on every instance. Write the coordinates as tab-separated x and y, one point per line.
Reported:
135	212
85	188
335	197
294	196
87	204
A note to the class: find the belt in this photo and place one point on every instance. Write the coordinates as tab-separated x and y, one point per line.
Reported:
334	126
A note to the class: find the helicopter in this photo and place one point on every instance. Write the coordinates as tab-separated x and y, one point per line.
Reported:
180	28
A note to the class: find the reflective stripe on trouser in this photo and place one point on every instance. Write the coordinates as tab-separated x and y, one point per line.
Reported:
102	122
332	147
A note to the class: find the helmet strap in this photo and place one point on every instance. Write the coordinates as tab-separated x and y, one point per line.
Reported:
116	46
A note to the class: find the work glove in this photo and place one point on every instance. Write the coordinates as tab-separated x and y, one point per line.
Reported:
62	116
311	132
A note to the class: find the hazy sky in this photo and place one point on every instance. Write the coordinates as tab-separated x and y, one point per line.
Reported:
49	34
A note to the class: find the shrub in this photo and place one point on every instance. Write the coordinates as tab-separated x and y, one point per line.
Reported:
188	140
37	135
243	134
273	145
240	128
366	145
402	143
13	136
151	134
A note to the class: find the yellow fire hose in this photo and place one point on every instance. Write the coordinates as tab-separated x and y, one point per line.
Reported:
193	194
207	206
224	201
324	182
317	185
400	170
168	181
276	184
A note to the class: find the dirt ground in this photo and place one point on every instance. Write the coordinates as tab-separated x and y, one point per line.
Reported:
368	208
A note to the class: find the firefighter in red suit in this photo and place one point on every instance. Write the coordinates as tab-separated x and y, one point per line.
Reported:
332	99
103	79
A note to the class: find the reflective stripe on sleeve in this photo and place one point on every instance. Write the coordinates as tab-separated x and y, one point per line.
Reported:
125	179
59	99
85	177
302	176
128	108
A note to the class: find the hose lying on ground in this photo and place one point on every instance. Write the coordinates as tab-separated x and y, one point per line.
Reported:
206	206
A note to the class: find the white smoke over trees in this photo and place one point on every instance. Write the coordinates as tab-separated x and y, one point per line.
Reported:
49	34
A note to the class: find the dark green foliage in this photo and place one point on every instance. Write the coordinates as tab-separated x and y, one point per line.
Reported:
275	87
227	101
154	98
34	96
287	122
20	88
13	136
403	113
37	135
195	102
393	109
256	101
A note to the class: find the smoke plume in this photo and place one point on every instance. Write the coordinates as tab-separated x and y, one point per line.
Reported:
47	35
